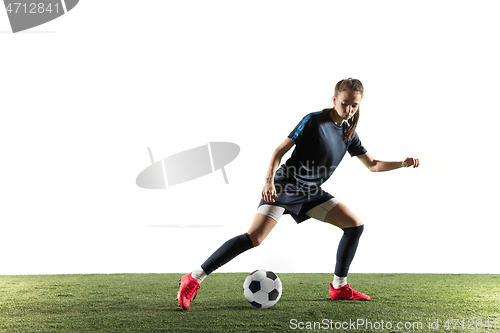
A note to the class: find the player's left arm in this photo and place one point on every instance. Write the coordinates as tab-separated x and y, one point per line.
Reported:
379	166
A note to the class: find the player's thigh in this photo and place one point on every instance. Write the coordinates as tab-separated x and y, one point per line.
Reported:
342	217
260	228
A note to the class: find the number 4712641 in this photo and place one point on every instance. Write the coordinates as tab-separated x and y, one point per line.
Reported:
31	8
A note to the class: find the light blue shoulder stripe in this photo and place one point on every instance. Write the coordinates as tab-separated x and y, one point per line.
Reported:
302	124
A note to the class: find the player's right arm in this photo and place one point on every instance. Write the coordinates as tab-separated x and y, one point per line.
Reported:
269	191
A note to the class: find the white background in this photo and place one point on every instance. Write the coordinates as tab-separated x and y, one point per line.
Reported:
83	96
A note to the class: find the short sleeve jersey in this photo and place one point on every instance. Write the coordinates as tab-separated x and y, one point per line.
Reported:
319	148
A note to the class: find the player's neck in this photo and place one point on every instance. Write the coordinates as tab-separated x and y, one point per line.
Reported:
336	118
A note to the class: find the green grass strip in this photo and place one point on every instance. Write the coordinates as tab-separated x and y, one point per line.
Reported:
146	303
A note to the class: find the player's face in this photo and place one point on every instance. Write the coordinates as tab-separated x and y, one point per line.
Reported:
347	103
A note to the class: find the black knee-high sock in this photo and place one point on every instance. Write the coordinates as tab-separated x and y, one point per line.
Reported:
228	251
347	248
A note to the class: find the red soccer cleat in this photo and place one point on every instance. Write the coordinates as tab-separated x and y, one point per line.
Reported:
347	293
188	287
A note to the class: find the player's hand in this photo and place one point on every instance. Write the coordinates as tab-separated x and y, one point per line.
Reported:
269	192
410	161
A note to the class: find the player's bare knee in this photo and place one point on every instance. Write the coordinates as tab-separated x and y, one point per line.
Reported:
256	239
355	222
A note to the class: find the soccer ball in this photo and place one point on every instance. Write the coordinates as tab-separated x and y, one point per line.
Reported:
262	288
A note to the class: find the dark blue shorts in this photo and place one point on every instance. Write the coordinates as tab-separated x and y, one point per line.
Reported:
295	199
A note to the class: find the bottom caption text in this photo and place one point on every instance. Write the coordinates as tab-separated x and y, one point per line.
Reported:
366	324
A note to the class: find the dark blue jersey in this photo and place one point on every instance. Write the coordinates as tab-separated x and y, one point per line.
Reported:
319	148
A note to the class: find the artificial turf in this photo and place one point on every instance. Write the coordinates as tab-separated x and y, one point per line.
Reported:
146	303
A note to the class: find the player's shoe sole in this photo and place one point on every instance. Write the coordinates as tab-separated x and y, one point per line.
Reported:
188	287
347	293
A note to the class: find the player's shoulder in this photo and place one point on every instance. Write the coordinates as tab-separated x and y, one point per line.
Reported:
312	117
315	114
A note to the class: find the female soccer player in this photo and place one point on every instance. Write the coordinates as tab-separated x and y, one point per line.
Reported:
321	140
